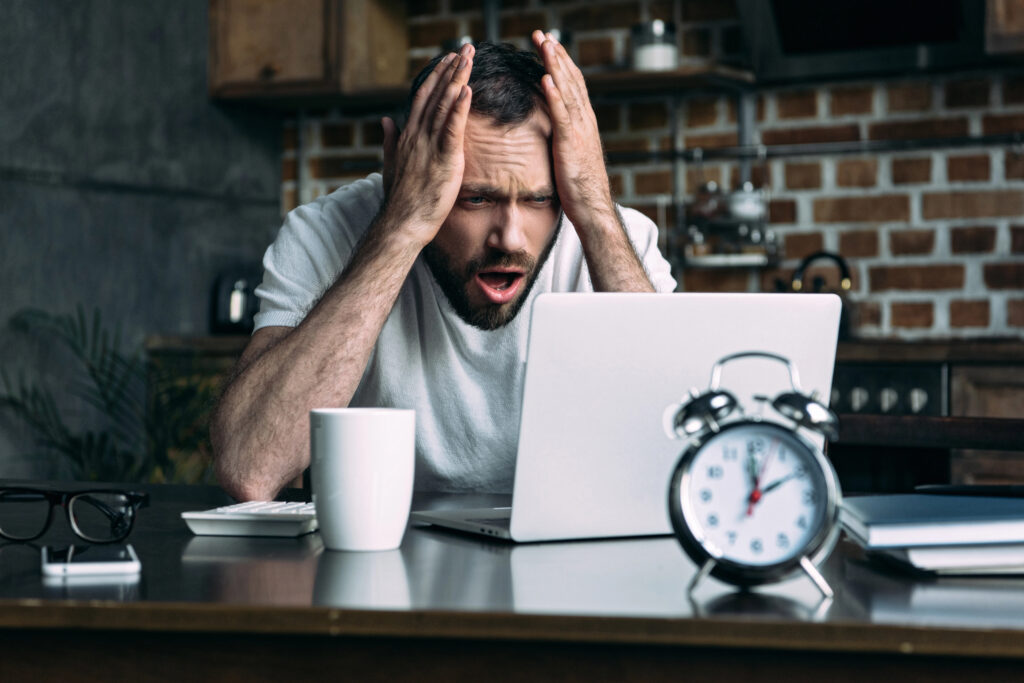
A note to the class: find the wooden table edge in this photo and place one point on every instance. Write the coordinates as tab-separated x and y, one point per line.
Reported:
664	631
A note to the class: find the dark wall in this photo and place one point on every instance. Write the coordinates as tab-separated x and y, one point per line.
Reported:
122	186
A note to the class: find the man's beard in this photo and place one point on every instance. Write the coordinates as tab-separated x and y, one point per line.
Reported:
489	316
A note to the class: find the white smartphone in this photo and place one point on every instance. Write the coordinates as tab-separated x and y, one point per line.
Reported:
90	560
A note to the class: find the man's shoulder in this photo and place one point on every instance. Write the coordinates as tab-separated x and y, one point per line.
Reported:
366	192
635	219
349	209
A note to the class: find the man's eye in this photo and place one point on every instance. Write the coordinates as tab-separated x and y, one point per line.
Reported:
541	199
474	201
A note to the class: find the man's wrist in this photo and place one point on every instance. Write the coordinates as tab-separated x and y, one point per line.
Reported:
599	226
398	228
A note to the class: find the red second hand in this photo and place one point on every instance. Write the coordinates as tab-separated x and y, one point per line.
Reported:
755	495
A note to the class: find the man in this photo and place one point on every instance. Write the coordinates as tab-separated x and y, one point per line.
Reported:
404	290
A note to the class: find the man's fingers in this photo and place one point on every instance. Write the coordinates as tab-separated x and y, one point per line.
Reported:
456	69
455	128
438	92
452	93
557	64
556	105
426	90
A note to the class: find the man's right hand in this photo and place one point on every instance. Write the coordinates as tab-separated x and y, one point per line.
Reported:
423	166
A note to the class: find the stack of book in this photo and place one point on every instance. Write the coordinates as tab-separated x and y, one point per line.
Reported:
944	534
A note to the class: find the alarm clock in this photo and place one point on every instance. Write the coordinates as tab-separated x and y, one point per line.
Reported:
753	501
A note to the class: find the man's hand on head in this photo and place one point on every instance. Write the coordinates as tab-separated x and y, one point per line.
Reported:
577	156
423	165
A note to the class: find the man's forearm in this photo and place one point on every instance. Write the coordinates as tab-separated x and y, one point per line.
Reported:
261	429
611	258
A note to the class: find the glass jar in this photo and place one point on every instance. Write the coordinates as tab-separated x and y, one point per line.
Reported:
654	46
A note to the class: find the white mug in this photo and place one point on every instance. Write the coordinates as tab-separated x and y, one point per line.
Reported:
362	465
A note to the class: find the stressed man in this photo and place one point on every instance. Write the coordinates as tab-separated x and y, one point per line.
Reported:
408	289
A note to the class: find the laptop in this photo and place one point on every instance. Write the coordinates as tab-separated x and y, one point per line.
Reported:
593	459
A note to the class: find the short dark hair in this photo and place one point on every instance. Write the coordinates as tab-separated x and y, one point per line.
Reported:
505	82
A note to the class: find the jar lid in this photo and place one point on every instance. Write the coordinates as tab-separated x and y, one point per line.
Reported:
656	31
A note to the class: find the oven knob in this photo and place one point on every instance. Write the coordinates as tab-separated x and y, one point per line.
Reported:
918	400
859	398
887	399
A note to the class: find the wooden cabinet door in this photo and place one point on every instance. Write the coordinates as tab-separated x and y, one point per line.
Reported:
1004	26
262	48
262	43
988	391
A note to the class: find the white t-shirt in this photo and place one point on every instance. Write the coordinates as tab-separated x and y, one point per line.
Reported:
465	384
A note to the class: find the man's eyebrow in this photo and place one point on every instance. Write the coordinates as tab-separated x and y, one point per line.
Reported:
493	191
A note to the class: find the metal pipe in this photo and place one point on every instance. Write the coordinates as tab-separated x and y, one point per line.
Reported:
492	25
754	152
750	152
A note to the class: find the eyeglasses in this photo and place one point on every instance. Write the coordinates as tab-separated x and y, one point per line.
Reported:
101	516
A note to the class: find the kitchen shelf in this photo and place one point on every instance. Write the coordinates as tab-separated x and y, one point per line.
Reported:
950	351
612	83
640	83
728	261
931	432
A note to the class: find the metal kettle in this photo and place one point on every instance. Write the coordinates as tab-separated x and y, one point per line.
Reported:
847	318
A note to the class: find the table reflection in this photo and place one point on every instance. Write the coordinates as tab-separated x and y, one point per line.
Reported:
887	596
443	570
362	580
238	569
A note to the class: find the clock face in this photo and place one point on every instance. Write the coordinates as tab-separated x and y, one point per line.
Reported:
755	494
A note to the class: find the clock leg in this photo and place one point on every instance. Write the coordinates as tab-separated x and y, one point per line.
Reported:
701	575
815	576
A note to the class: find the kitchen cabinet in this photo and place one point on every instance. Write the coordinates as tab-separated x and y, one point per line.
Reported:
987	391
286	48
1004	27
874	390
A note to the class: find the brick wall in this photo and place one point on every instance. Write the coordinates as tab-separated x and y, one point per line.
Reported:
935	237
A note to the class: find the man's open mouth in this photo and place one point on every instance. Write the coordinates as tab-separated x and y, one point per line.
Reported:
499	286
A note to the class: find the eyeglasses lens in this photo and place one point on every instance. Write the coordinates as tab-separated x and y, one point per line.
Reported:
23	514
101	517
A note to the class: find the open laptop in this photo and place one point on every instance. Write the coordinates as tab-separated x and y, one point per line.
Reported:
594	460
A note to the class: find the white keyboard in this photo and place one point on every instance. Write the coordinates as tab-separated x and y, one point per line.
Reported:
255	518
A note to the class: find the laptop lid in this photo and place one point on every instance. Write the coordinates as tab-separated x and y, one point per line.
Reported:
594	460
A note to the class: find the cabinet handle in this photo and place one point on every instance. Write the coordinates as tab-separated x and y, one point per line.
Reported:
268	71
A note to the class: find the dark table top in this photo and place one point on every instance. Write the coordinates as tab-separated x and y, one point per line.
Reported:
446	583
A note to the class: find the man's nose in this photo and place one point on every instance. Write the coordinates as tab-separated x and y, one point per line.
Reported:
508	231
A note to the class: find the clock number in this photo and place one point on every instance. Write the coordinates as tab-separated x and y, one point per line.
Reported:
782	540
801	522
705	495
712	520
756	545
810	496
715	472
801	472
732	537
729	453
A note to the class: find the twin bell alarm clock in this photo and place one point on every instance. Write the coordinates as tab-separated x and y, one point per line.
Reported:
752	500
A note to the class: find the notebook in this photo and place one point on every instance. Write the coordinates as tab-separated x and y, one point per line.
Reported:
915	519
593	459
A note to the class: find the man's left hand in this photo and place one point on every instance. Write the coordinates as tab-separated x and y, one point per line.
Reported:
580	174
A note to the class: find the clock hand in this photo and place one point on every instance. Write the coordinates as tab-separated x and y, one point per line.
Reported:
756	494
751	470
777	483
